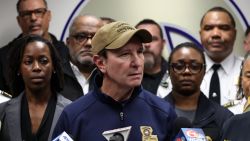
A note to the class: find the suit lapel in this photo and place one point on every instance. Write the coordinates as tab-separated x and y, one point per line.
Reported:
59	108
13	114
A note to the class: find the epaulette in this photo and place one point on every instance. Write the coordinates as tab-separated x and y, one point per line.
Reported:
232	103
3	93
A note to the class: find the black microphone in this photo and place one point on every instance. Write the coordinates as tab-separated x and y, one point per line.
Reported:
181	122
117	137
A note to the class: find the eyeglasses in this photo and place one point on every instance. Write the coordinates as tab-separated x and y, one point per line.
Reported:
193	67
38	13
82	37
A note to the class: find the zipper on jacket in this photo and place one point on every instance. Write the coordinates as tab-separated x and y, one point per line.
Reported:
121	116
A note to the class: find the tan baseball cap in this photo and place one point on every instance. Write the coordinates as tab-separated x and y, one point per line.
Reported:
116	35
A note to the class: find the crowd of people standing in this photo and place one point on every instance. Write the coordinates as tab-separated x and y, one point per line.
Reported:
109	74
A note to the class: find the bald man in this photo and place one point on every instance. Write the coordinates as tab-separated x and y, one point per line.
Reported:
79	66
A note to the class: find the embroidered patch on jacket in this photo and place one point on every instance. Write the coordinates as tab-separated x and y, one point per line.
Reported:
147	134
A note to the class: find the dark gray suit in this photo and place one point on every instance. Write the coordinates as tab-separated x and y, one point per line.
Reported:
10	116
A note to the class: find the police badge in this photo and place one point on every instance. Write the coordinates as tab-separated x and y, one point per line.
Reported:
147	134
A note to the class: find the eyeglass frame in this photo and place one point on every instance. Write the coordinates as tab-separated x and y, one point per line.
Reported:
86	38
40	12
187	65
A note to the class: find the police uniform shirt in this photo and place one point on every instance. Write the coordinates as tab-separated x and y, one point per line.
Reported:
228	76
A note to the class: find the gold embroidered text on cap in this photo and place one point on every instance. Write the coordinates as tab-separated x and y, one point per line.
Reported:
116	35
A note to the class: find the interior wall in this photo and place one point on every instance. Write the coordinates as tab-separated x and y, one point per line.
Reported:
179	13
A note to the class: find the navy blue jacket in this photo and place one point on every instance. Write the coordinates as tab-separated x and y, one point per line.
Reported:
89	116
210	116
237	128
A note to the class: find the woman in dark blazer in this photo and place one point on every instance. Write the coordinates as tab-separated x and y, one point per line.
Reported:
35	78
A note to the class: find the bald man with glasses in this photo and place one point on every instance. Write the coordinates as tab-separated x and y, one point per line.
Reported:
78	69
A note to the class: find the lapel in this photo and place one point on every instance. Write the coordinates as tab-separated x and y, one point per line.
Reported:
13	118
67	69
205	111
60	104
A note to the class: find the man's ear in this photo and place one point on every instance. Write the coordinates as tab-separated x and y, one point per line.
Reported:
18	18
68	41
99	62
49	15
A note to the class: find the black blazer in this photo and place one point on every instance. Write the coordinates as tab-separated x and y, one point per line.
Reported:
237	128
210	116
72	89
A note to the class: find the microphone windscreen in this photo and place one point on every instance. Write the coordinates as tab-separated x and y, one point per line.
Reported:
181	122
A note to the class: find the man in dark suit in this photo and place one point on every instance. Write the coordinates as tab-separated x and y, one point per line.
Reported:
78	69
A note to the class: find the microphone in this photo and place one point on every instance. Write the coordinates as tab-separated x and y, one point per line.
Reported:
63	137
183	131
181	122
120	134
191	134
117	137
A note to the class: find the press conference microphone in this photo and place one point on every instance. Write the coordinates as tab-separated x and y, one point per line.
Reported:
63	137
120	134
117	137
191	134
183	131
181	122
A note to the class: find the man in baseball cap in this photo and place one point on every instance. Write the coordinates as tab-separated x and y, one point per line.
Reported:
117	96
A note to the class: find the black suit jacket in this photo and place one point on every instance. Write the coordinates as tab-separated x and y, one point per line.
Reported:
210	116
72	89
237	128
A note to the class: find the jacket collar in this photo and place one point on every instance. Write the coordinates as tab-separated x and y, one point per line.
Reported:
107	99
204	111
13	114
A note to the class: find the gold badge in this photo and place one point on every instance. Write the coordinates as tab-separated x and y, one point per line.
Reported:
147	134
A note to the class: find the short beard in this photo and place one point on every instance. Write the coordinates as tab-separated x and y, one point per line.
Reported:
86	66
149	61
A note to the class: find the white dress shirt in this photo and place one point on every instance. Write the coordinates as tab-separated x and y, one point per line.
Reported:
165	86
229	76
80	78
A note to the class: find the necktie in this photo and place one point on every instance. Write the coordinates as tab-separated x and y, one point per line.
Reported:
214	91
247	105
